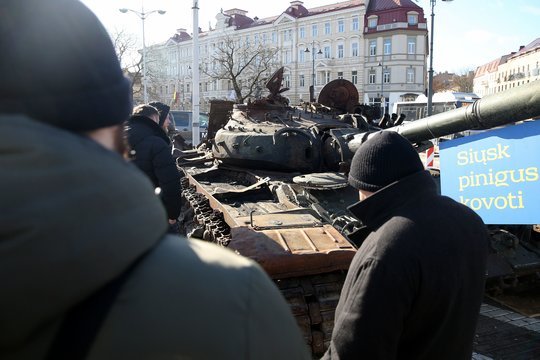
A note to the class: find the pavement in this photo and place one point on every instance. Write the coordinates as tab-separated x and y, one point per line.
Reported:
504	334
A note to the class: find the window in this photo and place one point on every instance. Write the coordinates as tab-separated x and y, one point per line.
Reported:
386	76
410	75
327	52
247	40
371	77
256	39
354	77
341	26
340	75
301	55
372	47
327	77
314	30
354	49
340	51
355	24
411	45
287	35
264	38
412	18
387	46
274	37
372	22
302	81
327	28
287	57
302	32
287	80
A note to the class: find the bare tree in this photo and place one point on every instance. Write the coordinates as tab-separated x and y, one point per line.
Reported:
439	84
464	82
245	66
157	73
130	59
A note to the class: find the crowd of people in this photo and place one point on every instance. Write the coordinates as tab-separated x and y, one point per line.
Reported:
88	267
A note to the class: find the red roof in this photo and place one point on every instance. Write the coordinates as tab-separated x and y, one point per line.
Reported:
393	11
379	5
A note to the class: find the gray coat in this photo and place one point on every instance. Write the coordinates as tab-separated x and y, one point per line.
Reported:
76	216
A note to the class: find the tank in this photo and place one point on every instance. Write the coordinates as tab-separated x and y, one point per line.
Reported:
270	183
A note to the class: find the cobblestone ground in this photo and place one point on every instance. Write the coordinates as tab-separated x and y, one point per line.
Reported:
505	334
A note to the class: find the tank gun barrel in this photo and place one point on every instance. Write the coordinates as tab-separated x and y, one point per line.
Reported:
516	104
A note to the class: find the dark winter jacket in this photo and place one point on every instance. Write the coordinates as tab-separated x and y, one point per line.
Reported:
153	156
73	216
415	286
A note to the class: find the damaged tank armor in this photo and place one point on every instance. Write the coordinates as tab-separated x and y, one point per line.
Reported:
270	183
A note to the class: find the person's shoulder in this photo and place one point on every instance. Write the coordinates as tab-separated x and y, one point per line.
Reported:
212	254
200	258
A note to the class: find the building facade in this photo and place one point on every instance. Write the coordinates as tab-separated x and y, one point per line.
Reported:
508	71
378	45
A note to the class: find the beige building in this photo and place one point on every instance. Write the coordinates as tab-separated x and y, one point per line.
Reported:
509	71
348	40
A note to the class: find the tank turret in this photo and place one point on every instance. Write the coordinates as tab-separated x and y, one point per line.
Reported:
270	134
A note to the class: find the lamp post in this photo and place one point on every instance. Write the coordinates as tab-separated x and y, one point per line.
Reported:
312	87
430	74
143	15
383	98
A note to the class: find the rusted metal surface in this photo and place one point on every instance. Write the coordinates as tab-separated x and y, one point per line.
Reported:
339	94
293	252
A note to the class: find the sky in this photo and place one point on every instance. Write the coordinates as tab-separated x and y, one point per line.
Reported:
467	34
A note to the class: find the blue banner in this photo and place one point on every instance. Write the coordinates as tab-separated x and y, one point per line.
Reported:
495	173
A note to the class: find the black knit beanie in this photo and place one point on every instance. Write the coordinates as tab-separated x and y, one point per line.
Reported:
163	110
59	66
382	160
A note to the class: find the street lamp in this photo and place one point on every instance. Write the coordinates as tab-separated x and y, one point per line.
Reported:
430	80
312	87
143	15
383	98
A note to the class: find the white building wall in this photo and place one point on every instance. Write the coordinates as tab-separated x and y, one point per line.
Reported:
326	68
517	70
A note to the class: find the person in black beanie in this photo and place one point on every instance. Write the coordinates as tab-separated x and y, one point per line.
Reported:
415	286
86	267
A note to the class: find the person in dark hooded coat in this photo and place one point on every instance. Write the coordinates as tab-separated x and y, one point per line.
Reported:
164	115
153	156
415	286
86	267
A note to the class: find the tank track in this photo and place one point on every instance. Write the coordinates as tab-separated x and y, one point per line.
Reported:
208	224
